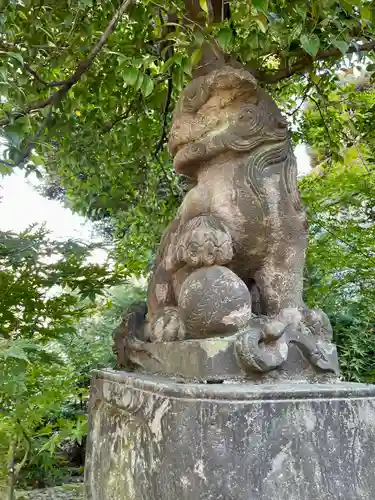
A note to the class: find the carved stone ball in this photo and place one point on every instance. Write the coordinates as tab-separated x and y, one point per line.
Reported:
214	301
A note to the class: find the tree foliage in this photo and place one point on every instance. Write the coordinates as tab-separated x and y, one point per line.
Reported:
88	87
340	197
46	288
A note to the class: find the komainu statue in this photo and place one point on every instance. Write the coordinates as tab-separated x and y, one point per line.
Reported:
231	263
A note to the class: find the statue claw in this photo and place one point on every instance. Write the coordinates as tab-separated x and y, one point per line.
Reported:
317	322
167	326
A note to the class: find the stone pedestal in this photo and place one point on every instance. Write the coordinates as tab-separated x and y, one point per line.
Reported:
153	438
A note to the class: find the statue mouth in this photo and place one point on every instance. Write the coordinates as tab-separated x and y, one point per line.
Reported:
244	123
238	136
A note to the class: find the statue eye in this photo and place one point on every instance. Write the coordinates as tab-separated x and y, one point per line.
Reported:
246	113
197	149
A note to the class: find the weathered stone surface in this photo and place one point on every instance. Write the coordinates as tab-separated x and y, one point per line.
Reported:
217	358
235	251
65	492
229	308
244	211
153	439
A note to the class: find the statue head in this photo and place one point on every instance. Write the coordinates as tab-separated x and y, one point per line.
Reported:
225	110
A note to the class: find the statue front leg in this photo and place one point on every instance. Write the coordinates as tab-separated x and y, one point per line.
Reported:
281	288
164	321
294	323
280	281
203	241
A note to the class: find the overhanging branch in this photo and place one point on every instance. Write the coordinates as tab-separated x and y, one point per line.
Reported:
306	61
34	106
29	147
163	136
81	69
33	73
7	163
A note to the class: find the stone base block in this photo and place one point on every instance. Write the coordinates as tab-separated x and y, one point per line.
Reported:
156	439
214	359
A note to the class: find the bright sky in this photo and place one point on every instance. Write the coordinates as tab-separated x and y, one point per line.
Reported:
21	205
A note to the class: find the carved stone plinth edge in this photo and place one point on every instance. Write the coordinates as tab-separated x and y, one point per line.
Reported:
151	438
239	357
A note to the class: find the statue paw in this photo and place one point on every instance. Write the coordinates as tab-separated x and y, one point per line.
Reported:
167	326
317	322
262	347
204	242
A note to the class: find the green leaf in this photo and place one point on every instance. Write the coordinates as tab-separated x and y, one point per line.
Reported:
147	86
224	37
310	43
301	11
347	6
16	352
130	75
187	66
341	45
261	21
261	5
139	82
198	37
4	89
365	13
17	56
196	57
38	160
314	78
203	4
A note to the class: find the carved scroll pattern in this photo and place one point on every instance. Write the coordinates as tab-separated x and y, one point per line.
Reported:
264	347
289	175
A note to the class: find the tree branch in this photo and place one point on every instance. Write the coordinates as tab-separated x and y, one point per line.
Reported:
81	69
163	136
34	106
28	148
33	73
324	122
107	127
165	175
6	46
18	467
8	163
303	99
165	118
306	61
11	483
26	152
83	66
